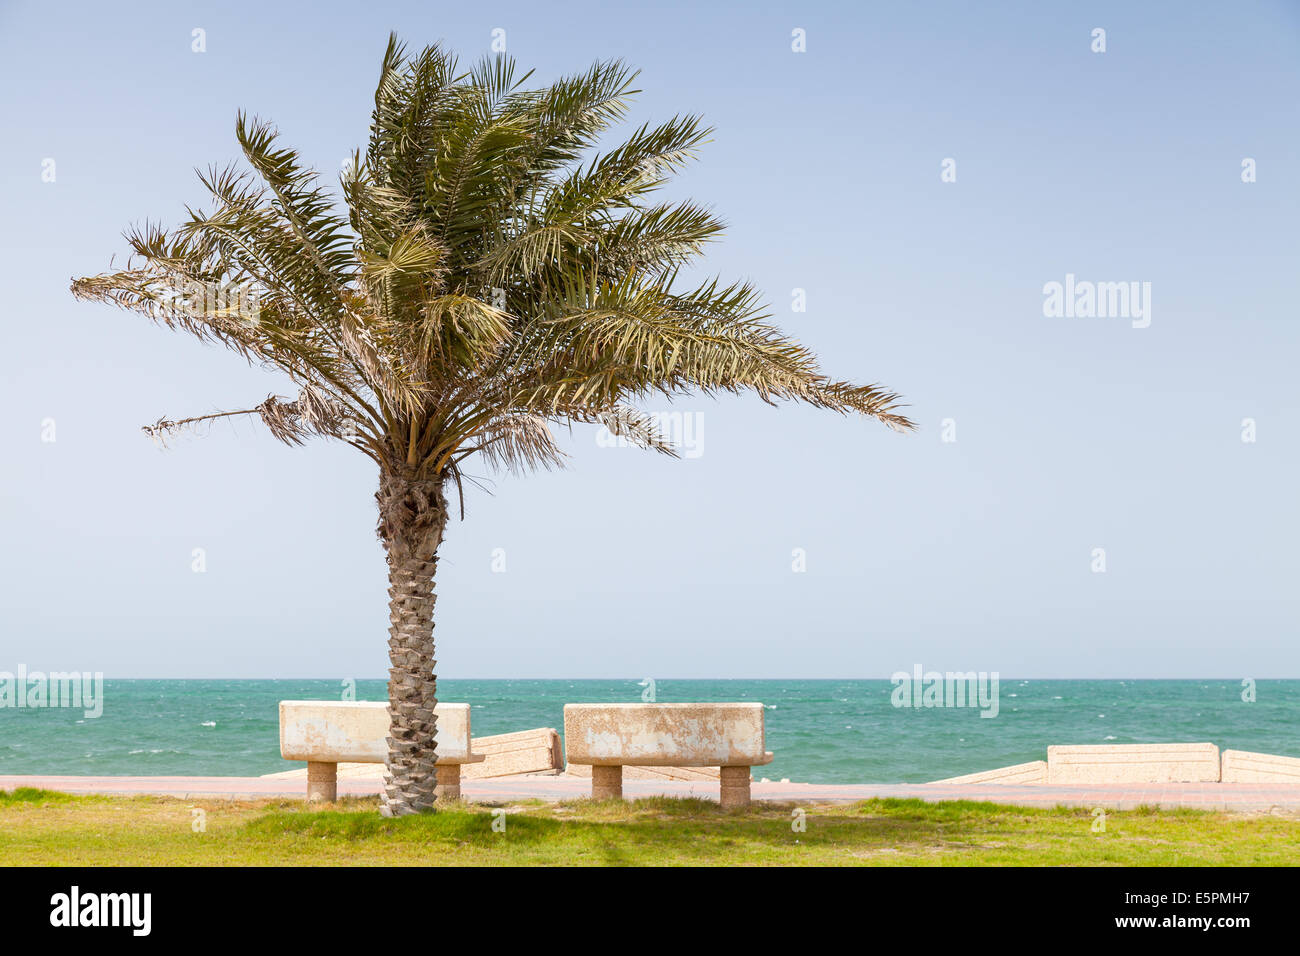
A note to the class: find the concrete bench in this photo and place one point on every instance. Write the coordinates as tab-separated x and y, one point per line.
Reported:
610	737
327	733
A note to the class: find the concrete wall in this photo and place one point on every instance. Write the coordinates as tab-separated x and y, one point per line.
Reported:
526	751
1133	763
1242	766
1033	772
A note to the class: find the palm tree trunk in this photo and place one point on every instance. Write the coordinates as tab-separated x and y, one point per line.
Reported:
412	517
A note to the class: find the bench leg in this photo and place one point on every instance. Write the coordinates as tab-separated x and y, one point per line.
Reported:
322	782
606	783
448	787
735	787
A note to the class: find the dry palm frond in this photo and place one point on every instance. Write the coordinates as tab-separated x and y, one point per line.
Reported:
637	427
519	443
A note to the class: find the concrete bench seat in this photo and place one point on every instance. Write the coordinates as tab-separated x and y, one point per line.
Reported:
609	737
327	733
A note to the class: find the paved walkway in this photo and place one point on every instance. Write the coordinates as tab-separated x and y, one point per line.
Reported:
1242	797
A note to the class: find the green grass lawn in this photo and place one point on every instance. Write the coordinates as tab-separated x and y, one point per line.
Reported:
39	827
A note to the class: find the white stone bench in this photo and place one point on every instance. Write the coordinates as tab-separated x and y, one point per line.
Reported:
327	733
610	737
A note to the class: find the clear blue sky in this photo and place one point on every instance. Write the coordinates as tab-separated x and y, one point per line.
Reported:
1072	434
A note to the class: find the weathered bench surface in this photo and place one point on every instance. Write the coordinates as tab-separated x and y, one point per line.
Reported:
665	735
323	731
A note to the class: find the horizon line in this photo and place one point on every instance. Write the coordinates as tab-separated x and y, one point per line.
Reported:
636	680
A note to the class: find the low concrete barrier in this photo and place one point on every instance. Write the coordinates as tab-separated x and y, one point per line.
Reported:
1242	766
1033	772
525	751
327	733
1133	763
608	737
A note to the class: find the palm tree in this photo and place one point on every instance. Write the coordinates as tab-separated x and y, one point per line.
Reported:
488	280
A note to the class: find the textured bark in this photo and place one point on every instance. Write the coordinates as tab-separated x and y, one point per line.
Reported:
412	517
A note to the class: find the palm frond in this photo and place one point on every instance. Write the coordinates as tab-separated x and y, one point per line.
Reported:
492	275
517	443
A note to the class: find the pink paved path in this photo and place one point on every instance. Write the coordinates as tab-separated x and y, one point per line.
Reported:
1250	797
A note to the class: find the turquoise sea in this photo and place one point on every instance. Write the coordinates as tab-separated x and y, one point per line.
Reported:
822	731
